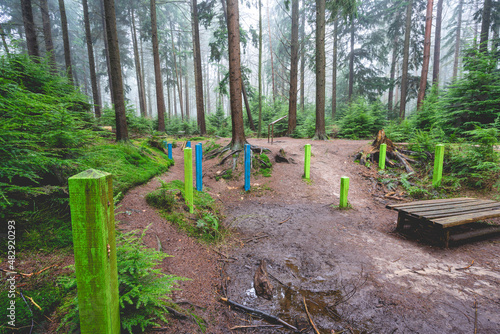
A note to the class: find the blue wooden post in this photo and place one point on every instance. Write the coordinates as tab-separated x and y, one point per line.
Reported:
188	144
199	172
248	165
170	151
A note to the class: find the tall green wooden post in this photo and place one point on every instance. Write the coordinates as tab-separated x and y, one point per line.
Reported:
381	156
344	189
93	222
437	175
307	161
188	178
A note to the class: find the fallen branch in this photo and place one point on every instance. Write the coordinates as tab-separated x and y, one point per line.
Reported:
262	314
470	265
284	221
226	256
309	317
255	326
475	316
38	272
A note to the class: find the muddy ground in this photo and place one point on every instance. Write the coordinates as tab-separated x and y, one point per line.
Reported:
357	275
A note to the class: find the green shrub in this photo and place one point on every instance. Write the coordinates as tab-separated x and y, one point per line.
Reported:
144	290
362	120
161	199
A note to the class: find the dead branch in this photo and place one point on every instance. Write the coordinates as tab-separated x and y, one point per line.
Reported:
226	256
256	312
470	265
38	272
284	221
255	326
309	317
475	316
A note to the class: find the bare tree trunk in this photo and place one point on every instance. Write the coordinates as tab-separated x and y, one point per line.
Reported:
259	126
457	40
437	43
427	54
29	29
392	75
143	74
187	89
177	75
198	74
294	64
4	42
351	62
47	35
320	70
271	52
406	56
138	69
207	72
65	33
169	105
247	106
160	99
116	72
175	99
233	27
302	56
90	52
106	52
485	26
334	67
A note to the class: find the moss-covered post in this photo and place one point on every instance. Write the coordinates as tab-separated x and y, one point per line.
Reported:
381	156
188	178
344	189
248	166
93	222
438	166
170	151
307	161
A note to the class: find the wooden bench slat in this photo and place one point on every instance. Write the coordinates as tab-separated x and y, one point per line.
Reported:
428	202
464	219
456	209
448	214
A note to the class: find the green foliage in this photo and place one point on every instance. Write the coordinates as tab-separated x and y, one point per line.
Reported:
135	124
262	165
161	199
362	120
472	100
144	289
219	124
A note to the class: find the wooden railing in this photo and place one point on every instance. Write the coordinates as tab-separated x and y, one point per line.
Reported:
270	128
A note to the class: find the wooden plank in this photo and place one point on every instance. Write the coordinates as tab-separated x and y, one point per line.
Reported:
432	202
464	219
451	214
457	208
477	233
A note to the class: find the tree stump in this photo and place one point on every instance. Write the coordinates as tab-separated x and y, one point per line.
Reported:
262	285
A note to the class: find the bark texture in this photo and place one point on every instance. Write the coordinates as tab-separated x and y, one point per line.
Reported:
47	34
65	33
160	99
29	30
294	64
90	52
320	70
198	75
406	56
427	54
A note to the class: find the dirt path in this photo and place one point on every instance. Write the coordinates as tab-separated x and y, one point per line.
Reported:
355	273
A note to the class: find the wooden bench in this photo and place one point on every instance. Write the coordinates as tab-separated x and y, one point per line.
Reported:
440	216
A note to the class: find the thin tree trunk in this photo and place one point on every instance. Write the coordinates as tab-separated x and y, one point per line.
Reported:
169	105
271	52
302	56
116	72
106	52
351	62
187	89
198	74
175	99
427	54
485	26
150	97
138	70
4	42
437	43
29	30
247	106
47	35
334	67
65	33
457	40
233	28
406	56
320	70
143	72
392	75
209	106
294	64
177	75
259	125
90	52
160	99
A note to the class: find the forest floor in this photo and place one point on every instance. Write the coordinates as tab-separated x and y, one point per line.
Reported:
357	275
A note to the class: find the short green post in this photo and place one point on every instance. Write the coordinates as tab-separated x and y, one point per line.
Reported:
188	178
93	222
344	189
438	166
381	156
307	162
